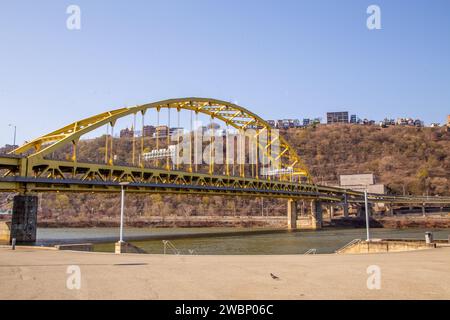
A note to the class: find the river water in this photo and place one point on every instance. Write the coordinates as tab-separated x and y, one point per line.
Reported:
227	240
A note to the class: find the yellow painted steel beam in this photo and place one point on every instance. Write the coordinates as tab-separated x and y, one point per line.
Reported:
43	145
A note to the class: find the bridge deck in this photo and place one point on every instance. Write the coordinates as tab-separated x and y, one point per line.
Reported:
69	176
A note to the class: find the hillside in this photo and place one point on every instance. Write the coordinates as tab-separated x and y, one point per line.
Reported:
414	159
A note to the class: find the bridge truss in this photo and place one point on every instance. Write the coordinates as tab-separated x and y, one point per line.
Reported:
31	168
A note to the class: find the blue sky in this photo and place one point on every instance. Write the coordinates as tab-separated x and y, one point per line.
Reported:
280	59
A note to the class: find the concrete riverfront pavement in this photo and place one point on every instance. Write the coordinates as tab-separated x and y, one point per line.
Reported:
43	274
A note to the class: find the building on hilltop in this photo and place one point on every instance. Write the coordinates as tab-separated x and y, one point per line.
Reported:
361	182
271	123
127	133
337	117
161	131
149	131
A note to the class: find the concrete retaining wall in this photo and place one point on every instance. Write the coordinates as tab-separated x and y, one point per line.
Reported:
308	223
125	247
5	232
76	247
386	246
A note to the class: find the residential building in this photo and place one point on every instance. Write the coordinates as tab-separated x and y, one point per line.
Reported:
361	182
271	123
418	123
175	130
161	131
149	131
337	117
127	133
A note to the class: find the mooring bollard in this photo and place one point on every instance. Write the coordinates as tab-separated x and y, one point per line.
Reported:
13	244
428	237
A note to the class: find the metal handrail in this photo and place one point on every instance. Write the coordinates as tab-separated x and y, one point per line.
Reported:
170	245
348	245
311	251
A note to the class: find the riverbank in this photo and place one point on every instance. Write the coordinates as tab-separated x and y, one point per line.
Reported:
42	274
391	222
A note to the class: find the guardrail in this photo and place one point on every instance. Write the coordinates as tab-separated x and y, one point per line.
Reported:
354	241
169	245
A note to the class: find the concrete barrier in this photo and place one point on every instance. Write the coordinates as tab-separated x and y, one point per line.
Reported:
125	247
76	247
383	245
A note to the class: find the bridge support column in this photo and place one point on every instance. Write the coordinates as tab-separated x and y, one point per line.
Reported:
345	206
345	209
390	210
423	210
303	209
24	218
316	214
292	214
360	211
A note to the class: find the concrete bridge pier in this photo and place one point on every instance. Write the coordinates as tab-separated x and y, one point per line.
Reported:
345	206
24	218
329	209
292	214
360	211
316	214
390	210
303	208
345	210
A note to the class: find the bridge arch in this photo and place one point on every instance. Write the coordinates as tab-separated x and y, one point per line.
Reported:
232	114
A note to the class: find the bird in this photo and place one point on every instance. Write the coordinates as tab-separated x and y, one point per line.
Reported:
274	277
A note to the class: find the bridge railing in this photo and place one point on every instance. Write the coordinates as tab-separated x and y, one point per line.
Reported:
354	241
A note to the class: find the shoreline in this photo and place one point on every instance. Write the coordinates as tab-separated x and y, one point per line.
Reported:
392	222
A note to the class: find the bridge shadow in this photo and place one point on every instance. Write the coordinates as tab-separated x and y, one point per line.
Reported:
355	222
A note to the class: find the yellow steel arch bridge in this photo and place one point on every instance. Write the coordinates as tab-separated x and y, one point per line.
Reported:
30	167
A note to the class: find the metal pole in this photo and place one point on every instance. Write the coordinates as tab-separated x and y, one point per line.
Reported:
15	133
122	201
367	215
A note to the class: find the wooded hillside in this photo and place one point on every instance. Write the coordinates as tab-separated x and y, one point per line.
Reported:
414	160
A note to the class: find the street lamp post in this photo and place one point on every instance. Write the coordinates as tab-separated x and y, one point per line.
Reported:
122	206
15	133
367	215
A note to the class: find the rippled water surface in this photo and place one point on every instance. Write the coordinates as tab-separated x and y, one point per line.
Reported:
227	240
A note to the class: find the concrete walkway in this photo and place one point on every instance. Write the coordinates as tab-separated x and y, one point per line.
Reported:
42	274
